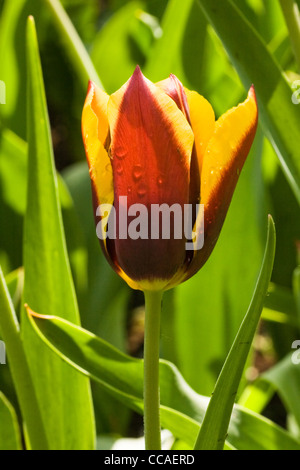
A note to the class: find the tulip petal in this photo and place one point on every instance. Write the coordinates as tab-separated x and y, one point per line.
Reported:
202	118
151	146
140	114
223	160
175	90
95	132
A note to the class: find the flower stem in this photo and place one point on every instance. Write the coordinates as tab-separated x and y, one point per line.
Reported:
151	370
291	14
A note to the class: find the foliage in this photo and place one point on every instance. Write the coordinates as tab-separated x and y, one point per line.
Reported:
75	378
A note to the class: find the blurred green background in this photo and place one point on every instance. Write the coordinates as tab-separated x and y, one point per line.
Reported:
201	317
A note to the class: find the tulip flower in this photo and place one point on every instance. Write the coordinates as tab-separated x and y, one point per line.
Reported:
154	150
156	144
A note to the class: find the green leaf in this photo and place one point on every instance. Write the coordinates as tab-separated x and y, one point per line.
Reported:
296	291
114	40
177	47
73	45
15	284
252	60
12	170
161	59
182	409
280	305
285	378
10	332
12	63
10	437
13	60
292	18
257	395
215	424
12	202
64	395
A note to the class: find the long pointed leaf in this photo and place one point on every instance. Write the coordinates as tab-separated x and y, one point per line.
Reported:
73	46
64	395
19	368
255	64
216	421
161	58
10	438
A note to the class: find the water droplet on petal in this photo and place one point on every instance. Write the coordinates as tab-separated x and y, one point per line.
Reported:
129	189
142	190
137	172
160	180
119	168
120	153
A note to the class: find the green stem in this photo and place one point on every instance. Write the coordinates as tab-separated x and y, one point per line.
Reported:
151	370
292	17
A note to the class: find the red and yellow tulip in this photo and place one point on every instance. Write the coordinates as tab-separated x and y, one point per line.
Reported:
160	144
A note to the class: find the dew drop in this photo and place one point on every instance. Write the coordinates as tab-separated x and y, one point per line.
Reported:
160	180
129	189
137	172
142	190
120	153
119	168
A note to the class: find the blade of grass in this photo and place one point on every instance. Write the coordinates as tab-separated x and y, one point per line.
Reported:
73	45
29	406
214	427
119	27
10	437
161	58
64	395
291	14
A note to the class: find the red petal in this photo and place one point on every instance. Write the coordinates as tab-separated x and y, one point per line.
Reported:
151	145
